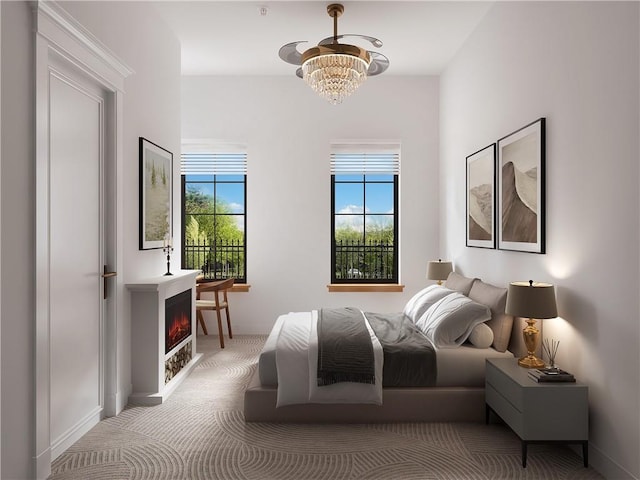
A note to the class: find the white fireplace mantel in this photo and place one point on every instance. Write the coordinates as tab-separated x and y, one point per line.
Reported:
147	336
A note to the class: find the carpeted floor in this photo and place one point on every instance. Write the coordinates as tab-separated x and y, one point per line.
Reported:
199	433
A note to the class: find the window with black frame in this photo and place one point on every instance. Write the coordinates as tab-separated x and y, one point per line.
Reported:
364	213
214	216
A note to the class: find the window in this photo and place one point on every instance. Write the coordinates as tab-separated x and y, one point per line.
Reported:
364	213
214	216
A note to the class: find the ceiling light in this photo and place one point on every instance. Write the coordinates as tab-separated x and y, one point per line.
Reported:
335	70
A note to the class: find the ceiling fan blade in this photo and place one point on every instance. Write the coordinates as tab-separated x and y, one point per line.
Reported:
379	63
290	54
299	72
374	41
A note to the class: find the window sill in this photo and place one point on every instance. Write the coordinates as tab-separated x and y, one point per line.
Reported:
240	287
365	287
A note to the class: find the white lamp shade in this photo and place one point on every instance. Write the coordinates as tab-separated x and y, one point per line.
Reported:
439	270
531	300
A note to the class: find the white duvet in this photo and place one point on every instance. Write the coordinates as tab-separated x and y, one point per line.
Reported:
297	363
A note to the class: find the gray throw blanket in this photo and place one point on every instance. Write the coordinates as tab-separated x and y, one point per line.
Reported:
345	352
409	358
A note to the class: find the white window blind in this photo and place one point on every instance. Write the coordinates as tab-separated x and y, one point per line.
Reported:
209	163
365	159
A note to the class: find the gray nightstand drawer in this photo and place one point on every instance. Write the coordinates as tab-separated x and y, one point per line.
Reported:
509	414
508	388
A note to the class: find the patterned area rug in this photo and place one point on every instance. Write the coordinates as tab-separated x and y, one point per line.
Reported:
200	433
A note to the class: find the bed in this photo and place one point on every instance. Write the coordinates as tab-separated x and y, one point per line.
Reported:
455	394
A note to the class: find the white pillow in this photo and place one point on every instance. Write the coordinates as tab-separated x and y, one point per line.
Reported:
449	321
422	300
481	336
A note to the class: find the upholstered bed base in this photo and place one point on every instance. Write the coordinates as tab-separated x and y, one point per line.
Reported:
424	404
428	404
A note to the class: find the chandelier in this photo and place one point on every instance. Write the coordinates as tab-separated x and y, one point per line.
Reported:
335	70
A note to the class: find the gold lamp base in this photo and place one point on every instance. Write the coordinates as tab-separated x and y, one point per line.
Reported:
531	334
531	361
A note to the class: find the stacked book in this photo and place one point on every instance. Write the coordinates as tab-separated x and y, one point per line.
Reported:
551	375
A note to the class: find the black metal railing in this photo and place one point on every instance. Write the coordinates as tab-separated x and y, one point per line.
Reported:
371	261
217	261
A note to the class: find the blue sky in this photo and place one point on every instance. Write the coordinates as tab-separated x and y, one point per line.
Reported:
349	205
379	197
231	193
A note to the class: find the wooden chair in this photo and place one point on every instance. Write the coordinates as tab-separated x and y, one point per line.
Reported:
217	287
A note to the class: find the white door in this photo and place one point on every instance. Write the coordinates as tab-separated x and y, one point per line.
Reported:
77	131
79	90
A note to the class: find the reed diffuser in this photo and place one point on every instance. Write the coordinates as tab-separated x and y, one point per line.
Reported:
550	347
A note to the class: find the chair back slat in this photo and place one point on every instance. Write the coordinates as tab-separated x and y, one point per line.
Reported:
219	285
216	287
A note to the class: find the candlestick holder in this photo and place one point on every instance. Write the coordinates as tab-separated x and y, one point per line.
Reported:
168	249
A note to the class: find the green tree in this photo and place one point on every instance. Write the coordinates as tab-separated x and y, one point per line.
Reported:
207	230
221	227
362	255
193	232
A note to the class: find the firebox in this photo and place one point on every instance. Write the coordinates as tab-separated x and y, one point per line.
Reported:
177	319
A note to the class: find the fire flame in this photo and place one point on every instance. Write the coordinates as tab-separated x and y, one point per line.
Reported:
180	328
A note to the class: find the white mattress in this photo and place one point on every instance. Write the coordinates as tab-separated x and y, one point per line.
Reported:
457	367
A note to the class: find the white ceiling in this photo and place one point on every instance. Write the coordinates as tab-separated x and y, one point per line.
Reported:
233	38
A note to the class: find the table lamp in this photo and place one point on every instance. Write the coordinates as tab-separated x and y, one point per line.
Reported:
531	300
439	270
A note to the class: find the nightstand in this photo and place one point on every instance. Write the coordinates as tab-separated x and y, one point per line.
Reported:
552	412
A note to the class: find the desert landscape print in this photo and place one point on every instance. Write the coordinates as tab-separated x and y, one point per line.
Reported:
480	206
519	187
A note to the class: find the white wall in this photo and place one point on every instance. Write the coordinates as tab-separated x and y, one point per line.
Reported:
288	129
151	109
577	64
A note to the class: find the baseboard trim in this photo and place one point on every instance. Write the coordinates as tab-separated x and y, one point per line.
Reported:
606	466
42	464
75	433
122	397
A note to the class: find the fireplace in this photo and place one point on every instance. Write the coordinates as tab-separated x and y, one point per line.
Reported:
177	319
163	347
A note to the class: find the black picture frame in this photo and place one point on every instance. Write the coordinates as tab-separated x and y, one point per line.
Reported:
521	189
481	198
156	195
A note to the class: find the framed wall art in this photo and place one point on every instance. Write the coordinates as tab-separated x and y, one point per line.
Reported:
156	177
481	183
521	189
